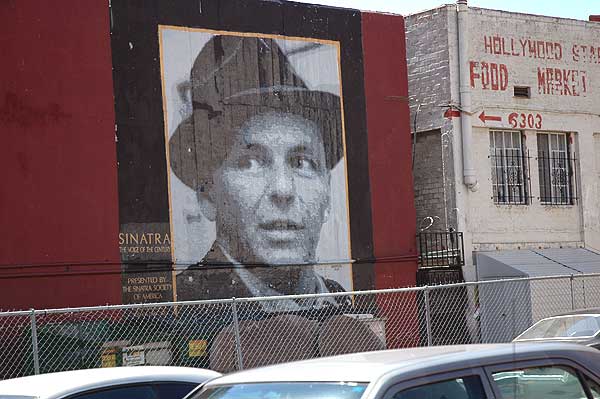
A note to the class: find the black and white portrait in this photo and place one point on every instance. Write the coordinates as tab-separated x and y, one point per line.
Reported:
257	167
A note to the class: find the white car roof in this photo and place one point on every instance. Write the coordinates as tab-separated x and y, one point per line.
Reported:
371	366
356	367
57	385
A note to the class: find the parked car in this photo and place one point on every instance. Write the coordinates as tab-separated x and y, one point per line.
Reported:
580	326
147	382
544	371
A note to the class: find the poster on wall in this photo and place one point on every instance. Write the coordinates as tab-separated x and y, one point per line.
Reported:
241	148
256	164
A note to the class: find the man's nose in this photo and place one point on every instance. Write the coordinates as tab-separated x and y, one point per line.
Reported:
283	187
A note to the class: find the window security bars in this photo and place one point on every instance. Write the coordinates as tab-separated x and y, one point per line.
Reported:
510	168
556	169
441	249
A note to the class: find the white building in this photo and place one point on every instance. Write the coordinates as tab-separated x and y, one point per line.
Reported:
506	108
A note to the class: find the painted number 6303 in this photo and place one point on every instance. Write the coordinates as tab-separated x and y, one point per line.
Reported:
532	121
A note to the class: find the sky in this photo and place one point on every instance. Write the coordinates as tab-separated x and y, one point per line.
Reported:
577	9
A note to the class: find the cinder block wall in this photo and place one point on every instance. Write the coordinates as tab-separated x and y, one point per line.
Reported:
428	58
428	177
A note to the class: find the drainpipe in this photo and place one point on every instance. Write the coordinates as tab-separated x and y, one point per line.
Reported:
469	177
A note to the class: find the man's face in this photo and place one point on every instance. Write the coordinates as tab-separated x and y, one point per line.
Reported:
271	193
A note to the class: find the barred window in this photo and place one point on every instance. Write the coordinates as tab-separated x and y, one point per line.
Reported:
555	166
509	168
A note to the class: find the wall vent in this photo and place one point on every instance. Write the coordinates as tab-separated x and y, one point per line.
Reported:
522	91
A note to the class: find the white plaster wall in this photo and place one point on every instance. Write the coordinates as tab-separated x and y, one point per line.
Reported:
491	226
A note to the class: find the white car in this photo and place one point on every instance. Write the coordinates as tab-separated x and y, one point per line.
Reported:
515	371
144	382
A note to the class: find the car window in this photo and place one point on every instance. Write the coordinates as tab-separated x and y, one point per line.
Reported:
594	388
121	392
563	327
173	390
539	382
459	388
284	390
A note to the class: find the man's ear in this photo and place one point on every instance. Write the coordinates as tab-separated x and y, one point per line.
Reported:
207	205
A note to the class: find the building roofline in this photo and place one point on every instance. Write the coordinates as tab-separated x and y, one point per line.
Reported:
526	16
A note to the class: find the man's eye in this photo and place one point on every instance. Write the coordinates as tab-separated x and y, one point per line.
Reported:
304	163
249	163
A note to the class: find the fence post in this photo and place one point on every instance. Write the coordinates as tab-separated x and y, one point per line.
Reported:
236	332
583	290
34	343
428	316
572	294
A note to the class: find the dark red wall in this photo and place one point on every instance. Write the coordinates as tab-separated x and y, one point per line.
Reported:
58	198
390	171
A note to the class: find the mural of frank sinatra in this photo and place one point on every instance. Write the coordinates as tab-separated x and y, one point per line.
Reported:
258	150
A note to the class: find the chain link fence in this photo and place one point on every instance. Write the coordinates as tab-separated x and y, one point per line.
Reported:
233	334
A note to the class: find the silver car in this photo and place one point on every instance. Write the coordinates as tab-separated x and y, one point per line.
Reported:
579	326
543	371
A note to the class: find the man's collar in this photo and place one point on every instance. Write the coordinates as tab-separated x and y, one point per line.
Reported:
310	283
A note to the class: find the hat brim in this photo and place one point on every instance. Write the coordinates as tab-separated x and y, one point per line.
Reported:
202	140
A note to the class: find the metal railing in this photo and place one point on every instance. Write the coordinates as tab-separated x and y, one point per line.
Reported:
233	334
441	249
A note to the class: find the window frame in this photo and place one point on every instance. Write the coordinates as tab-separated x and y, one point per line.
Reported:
596	141
547	173
479	372
524	172
579	370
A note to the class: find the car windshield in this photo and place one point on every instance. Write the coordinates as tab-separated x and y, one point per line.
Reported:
575	326
284	390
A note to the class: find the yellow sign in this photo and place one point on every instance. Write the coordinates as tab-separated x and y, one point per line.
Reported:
197	348
109	358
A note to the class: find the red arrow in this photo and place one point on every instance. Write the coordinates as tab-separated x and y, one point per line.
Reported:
484	117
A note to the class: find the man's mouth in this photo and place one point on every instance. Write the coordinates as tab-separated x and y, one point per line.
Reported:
281	225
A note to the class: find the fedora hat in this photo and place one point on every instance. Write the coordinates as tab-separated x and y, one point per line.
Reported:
233	79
